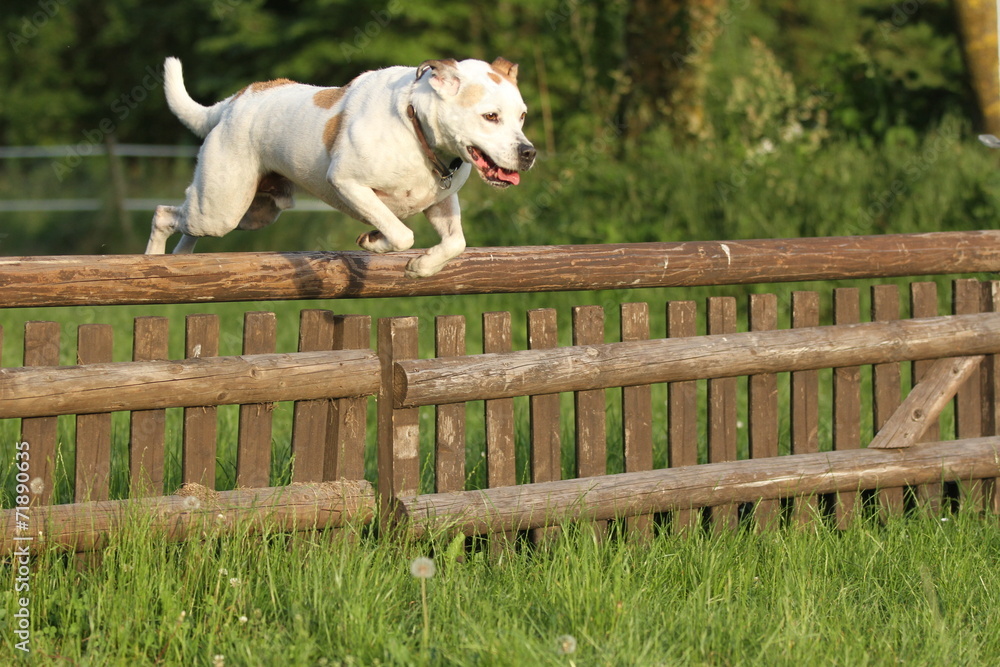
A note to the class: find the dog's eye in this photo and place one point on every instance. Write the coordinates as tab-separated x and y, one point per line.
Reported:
492	117
524	114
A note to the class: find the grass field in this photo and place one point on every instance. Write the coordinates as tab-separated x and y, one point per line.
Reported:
919	590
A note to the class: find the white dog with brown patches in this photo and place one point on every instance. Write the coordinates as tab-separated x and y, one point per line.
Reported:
390	144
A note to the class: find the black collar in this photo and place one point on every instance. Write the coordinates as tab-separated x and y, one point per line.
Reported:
445	173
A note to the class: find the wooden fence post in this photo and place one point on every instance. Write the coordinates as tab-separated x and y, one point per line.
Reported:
41	348
682	408
253	449
590	417
545	413
805	403
398	429
147	437
722	408
93	432
201	340
449	420
846	402
762	406
967	299
886	385
924	303
637	413
310	418
345	447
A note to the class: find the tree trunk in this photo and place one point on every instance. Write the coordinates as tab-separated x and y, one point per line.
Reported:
977	21
669	43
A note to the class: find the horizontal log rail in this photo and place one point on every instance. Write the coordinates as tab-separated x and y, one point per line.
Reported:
534	372
199	278
193	510
150	385
707	485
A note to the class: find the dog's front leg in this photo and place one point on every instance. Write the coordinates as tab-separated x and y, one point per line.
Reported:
364	204
446	217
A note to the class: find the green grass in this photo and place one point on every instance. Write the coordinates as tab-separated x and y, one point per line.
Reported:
917	590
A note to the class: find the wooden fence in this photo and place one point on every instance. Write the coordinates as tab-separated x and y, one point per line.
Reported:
706	420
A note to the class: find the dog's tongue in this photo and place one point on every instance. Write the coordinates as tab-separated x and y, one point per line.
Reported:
495	171
511	177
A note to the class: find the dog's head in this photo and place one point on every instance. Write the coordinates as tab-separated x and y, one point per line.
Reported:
479	116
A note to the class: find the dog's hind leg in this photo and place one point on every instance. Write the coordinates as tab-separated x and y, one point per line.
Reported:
165	223
185	245
446	217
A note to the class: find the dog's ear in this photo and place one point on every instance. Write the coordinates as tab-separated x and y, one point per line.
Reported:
506	69
444	75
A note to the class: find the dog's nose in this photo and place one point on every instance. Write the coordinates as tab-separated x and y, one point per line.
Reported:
527	154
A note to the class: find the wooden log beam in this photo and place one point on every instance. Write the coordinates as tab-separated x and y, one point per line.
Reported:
528	372
192	511
150	385
199	278
923	406
708	485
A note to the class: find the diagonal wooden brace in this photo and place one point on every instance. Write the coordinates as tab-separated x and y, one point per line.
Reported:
924	404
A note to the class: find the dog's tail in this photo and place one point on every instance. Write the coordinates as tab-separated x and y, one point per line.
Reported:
199	119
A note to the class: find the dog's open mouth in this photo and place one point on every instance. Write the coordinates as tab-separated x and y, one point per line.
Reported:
491	172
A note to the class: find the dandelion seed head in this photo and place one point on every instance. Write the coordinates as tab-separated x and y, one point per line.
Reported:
423	568
37	485
243	619
191	503
566	644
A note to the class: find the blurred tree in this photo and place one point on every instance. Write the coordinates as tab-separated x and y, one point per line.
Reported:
669	44
978	26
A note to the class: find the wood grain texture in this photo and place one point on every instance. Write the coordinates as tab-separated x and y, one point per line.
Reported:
637	414
762	406
201	341
195	511
153	385
93	432
199	278
311	418
449	420
846	403
147	429
722	408
924	404
578	368
41	348
253	441
886	385
711	484
346	431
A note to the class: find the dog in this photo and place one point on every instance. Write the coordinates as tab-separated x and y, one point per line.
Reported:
391	143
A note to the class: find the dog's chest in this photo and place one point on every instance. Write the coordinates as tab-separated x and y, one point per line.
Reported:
407	201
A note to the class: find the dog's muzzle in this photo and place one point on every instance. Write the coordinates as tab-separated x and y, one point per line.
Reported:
526	154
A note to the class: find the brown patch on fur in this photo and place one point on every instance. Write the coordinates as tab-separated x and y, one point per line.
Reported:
494	77
506	69
331	131
469	95
327	97
264	209
263	85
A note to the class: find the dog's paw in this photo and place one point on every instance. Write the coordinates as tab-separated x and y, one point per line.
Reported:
422	267
373	241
